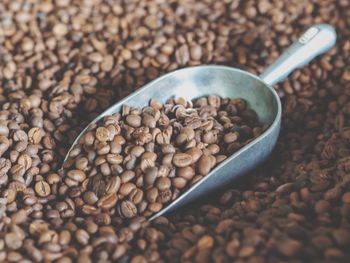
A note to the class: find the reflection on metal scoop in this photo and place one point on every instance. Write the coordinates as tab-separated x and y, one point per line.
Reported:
226	82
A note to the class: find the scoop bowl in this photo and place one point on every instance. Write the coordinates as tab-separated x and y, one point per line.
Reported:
227	82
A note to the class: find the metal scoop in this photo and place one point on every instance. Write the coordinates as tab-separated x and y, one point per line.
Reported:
227	82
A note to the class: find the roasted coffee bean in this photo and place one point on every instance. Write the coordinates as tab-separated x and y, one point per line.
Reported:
42	188
182	159
82	236
128	209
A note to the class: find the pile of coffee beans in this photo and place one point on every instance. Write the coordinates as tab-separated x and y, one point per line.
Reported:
137	161
64	61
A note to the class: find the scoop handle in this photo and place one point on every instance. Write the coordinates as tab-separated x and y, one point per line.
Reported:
315	41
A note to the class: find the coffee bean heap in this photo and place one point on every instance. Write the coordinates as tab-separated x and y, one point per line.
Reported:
139	160
64	61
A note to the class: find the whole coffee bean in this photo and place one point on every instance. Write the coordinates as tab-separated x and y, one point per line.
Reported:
179	182
155	207
186	172
42	188
136	196
152	194
195	154
76	175
182	159
82	237
90	198
35	135
151	175
204	164
163	183
210	137
133	120
128	209
108	201
113	185
231	137
64	237
82	163
13	241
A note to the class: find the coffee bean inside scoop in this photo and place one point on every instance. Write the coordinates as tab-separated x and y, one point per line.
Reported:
139	160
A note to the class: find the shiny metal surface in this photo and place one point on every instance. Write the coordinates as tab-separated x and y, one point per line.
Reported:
315	41
195	82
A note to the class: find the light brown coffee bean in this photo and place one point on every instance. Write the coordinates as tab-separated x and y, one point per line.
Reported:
231	137
151	175
114	158
179	182
195	154
42	188
204	165
163	183
108	201
82	237
102	134
152	194
82	163
113	185
13	241
35	135
126	188
182	159
133	120
186	172
76	175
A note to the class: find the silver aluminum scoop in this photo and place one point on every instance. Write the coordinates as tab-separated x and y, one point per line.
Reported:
227	82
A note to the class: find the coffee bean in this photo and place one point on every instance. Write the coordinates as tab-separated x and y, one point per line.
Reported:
133	120
204	164
163	183
82	237
128	209
102	134
42	188
35	135
76	175
113	185
151	175
90	197
230	137
13	241
182	159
